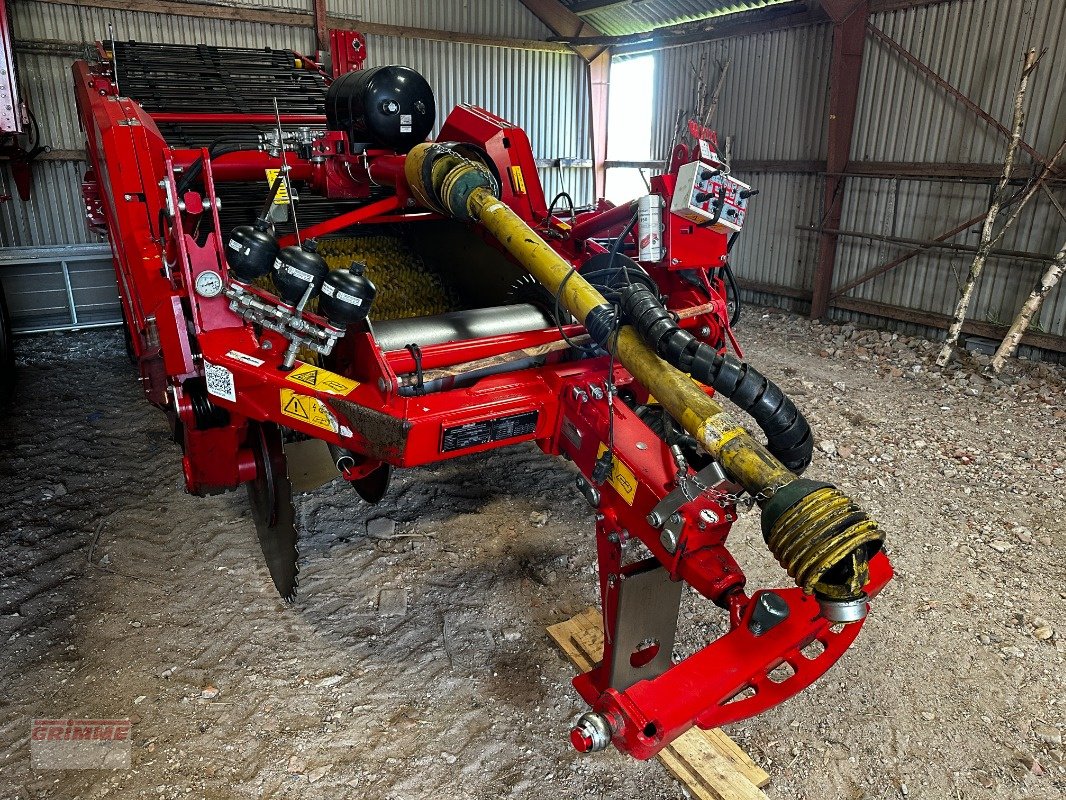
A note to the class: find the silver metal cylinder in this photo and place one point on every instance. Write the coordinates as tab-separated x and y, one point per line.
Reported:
650	228
477	323
845	611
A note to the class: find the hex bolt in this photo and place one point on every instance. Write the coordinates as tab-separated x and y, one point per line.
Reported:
654	520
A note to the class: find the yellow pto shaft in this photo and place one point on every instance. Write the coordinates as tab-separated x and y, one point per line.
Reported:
822	538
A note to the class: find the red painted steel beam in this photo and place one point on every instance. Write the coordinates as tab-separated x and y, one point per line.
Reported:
364	214
244	165
231	119
845	70
236	118
600	223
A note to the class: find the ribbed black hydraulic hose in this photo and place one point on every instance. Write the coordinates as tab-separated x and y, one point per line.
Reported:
788	435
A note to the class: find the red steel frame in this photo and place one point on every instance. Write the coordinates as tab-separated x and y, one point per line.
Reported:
174	332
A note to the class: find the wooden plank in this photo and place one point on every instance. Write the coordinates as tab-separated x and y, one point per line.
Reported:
710	764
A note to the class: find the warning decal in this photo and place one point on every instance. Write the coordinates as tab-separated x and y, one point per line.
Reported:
309	410
282	197
518	181
622	478
321	380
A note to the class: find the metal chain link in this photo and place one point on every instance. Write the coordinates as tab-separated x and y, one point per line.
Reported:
741	498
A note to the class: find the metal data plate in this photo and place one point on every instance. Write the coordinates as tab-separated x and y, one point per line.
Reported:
648	603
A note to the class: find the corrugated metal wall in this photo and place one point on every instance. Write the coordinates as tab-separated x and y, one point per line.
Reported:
774	101
544	92
977	47
773	104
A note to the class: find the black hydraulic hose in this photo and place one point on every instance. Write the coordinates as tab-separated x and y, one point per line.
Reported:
219	147
734	293
788	435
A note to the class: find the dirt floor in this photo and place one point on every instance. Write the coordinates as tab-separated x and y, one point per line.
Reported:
416	665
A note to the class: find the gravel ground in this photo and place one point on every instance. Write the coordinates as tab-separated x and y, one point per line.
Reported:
415	663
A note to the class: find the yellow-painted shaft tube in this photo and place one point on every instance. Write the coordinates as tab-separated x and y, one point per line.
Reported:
741	455
820	536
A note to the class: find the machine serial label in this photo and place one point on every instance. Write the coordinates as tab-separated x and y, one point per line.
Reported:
321	379
309	410
489	430
622	478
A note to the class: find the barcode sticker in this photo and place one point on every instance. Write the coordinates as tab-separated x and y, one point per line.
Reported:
220	382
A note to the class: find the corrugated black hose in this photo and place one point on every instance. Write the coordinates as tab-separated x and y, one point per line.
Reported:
788	435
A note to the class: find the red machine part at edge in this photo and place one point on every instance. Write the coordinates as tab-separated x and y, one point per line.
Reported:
185	340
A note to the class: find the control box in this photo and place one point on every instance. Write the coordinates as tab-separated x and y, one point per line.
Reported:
709	197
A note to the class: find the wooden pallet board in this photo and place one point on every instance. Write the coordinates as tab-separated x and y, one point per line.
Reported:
710	764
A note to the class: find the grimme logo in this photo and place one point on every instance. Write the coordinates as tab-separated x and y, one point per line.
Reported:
80	743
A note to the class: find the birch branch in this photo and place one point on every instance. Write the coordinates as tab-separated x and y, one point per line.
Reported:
1032	305
988	239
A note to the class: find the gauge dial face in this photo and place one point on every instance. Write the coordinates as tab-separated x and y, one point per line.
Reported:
208	283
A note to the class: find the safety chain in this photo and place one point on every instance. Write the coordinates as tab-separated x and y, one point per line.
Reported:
741	498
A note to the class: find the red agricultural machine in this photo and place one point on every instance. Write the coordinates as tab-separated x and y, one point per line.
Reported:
297	263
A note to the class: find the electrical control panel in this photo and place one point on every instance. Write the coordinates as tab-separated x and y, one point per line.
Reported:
709	197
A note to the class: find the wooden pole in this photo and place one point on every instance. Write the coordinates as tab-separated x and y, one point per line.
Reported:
989	238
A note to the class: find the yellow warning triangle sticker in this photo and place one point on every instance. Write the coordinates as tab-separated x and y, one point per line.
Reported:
294	408
308	409
321	379
309	377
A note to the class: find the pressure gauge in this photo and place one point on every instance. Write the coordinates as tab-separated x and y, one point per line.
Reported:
209	283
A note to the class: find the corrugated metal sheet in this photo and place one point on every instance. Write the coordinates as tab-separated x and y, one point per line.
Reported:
770	250
544	92
773	103
976	46
54	214
645	15
773	100
484	17
80	24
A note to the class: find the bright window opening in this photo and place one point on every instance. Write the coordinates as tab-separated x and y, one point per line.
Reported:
629	125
